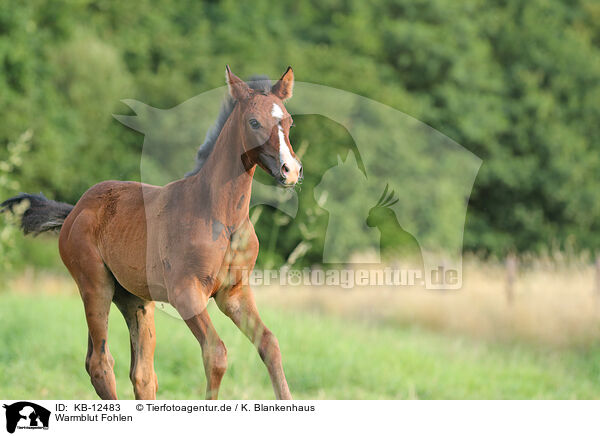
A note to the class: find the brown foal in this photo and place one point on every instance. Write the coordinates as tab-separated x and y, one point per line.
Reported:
183	243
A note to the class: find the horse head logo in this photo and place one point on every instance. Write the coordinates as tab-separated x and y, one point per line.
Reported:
436	174
25	414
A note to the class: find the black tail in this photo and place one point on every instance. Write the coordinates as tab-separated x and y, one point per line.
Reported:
41	215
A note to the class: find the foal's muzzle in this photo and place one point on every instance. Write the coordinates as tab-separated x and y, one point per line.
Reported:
291	173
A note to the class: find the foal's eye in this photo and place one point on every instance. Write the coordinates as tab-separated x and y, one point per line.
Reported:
254	124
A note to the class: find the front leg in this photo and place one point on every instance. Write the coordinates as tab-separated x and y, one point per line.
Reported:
214	353
190	299
239	305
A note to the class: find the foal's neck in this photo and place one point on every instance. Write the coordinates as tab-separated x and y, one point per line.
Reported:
224	183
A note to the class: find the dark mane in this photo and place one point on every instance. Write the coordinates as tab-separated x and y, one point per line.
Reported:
261	84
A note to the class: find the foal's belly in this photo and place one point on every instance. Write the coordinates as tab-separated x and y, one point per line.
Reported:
133	260
139	282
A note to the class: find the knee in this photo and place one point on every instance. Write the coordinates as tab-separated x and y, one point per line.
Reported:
268	347
142	378
218	358
99	365
188	302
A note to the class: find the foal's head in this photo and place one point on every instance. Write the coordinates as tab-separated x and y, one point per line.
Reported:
264	125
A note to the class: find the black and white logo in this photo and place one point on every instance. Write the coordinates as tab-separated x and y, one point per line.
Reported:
26	415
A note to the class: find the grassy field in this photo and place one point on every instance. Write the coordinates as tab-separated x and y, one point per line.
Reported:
44	341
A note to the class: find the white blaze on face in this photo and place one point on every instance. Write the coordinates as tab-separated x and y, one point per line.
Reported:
277	112
284	151
285	156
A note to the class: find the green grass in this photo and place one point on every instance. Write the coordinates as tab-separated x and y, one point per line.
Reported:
44	338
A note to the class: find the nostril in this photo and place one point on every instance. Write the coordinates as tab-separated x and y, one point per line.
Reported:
284	169
301	173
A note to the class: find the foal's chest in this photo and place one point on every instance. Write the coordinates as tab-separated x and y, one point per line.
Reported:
240	255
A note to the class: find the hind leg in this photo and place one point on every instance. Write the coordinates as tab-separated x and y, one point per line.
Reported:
88	356
96	286
96	293
139	316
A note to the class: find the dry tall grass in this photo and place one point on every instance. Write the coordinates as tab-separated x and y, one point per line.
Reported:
555	302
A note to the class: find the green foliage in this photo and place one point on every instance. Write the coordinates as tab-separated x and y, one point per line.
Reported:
517	83
9	231
15	251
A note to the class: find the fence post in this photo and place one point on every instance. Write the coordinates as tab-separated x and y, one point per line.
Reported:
511	277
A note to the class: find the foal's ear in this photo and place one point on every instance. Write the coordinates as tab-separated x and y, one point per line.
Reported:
238	89
284	86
